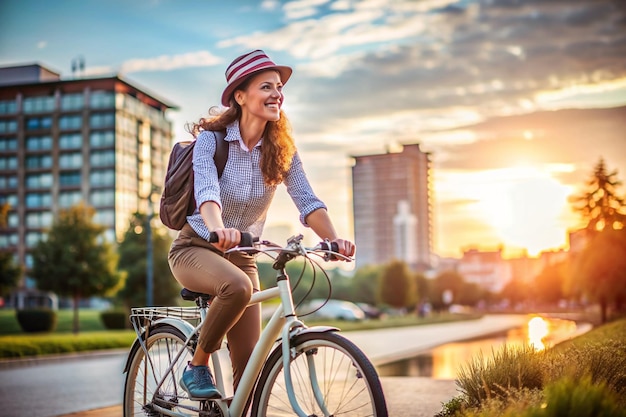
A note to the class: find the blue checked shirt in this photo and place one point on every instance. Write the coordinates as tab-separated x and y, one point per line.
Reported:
240	192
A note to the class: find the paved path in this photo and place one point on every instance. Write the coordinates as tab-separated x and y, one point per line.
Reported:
406	396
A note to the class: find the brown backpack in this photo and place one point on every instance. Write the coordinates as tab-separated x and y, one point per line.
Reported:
177	200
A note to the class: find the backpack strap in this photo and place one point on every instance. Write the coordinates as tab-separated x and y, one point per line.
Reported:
221	151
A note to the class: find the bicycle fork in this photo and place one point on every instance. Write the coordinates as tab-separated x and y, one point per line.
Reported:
294	324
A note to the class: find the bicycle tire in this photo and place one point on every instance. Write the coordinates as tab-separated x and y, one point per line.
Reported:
163	343
350	385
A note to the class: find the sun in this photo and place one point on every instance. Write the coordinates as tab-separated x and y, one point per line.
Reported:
525	206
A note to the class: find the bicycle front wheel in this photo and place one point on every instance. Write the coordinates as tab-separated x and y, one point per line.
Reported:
143	392
330	377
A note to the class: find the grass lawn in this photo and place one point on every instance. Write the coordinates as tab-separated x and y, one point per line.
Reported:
89	321
93	335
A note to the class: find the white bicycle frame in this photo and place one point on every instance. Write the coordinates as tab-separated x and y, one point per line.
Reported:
283	322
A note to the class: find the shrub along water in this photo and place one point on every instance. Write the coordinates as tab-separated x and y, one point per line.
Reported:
585	376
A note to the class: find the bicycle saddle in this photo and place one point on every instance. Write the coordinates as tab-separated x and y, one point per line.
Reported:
189	295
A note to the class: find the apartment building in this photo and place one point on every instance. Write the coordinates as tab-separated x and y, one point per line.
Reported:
101	141
392	207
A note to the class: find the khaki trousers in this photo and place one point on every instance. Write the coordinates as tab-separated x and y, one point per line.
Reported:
231	279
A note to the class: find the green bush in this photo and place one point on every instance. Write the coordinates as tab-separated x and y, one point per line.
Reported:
508	369
37	320
584	377
21	346
581	398
604	362
114	319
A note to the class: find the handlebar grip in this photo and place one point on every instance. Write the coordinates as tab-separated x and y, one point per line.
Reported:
247	240
334	247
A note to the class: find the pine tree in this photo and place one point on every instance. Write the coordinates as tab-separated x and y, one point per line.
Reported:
599	204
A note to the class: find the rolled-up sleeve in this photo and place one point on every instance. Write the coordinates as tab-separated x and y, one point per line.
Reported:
300	190
206	183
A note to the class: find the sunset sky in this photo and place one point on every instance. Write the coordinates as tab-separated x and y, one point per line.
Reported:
470	80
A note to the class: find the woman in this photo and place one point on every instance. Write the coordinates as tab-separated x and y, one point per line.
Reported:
261	155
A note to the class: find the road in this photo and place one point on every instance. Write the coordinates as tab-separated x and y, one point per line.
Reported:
61	385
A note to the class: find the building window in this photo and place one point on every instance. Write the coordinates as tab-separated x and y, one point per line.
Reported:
39	220
43	180
10	199
100	198
70	160
32	238
8	144
39	143
8	162
38	105
70	179
8	240
104	139
37	123
8	182
102	158
13	220
71	141
69	198
102	178
70	122
102	100
105	217
38	161
8	126
99	120
8	107
72	101
38	200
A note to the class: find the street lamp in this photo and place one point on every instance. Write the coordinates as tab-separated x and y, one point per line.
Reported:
150	249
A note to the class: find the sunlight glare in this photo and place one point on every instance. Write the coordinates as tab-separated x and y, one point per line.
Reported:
537	331
525	206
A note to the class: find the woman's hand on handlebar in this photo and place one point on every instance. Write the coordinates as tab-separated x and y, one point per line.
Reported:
226	238
345	247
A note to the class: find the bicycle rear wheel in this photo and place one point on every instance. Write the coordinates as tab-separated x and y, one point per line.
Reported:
343	377
141	391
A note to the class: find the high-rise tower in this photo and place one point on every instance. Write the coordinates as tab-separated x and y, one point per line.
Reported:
392	207
101	141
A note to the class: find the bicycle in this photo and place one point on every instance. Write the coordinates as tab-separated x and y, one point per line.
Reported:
294	369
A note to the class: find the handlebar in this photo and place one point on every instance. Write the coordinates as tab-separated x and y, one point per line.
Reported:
248	241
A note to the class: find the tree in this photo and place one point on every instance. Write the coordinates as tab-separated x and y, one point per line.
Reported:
601	268
133	261
549	284
599	204
362	287
10	272
515	292
75	260
397	285
450	281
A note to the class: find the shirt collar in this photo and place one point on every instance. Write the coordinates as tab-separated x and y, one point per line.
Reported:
233	134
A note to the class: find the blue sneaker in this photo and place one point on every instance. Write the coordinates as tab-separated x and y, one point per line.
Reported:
198	382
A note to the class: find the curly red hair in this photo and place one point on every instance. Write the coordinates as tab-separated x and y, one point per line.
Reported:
278	146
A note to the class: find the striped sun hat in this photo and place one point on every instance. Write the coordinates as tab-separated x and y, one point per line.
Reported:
246	65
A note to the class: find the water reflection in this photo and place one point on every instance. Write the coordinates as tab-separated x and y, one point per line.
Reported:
444	361
538	329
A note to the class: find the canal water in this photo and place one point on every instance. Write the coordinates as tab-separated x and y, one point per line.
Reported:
443	362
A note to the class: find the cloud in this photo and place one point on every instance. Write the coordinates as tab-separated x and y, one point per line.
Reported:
491	58
171	62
